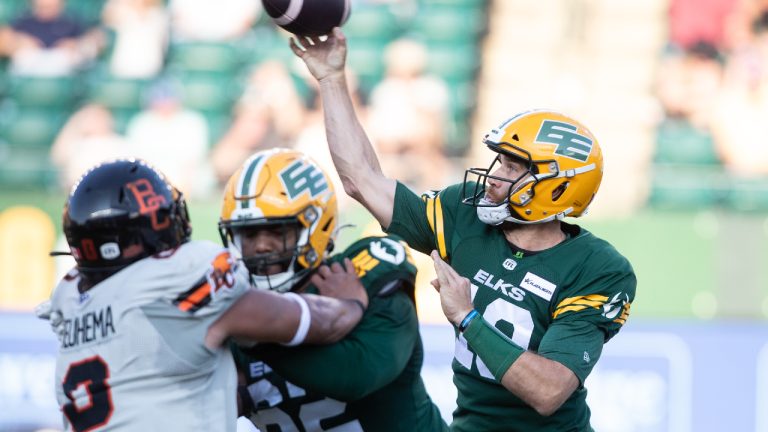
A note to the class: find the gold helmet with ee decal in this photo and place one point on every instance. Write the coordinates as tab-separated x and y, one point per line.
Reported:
564	169
280	189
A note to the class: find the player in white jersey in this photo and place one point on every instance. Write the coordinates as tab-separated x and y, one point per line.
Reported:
142	317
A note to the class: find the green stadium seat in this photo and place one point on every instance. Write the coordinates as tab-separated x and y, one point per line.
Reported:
88	11
686	187
449	23
372	22
11	9
205	57
453	62
25	167
119	94
679	142
32	127
218	123
122	117
479	4
207	94
44	92
366	60
748	195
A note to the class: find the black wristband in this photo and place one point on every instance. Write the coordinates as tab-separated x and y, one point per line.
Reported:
359	303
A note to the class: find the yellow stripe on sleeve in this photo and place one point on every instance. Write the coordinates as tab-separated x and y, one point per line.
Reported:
439	229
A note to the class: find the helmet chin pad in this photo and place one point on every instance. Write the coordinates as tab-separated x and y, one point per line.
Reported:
490	214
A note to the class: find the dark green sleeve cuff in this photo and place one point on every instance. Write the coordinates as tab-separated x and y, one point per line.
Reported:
497	351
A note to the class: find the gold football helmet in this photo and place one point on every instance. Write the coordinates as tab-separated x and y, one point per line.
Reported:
280	189
564	169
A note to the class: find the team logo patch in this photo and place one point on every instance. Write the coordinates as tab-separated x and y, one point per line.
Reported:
149	202
569	142
109	251
300	177
538	285
388	250
509	264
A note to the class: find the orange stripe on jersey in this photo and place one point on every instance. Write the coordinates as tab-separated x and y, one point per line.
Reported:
222	262
197	296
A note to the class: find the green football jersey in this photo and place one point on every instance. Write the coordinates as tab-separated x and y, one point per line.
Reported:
370	380
563	303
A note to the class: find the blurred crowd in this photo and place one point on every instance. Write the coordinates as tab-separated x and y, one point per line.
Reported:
195	86
713	88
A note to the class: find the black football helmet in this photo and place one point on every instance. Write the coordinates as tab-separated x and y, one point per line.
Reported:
120	212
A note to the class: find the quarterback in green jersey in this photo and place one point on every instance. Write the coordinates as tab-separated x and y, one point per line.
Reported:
533	299
279	217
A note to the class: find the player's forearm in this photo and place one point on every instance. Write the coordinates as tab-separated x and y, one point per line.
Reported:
332	319
542	383
352	152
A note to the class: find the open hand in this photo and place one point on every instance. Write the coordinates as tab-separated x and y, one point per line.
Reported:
455	297
324	58
340	282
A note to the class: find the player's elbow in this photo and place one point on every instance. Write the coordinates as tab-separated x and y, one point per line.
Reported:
351	188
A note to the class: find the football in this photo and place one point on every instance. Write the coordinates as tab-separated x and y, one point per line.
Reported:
308	17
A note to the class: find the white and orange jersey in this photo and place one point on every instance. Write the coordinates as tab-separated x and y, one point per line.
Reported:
132	354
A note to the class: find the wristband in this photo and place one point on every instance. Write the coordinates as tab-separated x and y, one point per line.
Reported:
467	319
359	303
496	350
304	321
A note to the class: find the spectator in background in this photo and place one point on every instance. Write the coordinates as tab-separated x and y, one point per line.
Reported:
742	108
689	82
45	42
207	20
407	117
172	138
269	114
141	37
87	139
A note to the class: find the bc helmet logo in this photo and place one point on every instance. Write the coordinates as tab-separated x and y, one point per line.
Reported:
149	201
569	143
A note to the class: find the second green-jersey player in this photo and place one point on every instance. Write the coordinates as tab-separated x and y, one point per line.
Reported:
368	381
562	303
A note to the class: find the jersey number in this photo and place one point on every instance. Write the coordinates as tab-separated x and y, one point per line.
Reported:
89	376
498	310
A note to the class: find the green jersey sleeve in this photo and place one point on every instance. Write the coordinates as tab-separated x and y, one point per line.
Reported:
426	222
381	263
590	313
370	357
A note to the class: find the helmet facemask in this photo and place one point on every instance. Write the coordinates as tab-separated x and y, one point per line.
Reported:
276	269
507	210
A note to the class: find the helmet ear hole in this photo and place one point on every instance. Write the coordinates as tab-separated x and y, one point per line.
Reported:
559	190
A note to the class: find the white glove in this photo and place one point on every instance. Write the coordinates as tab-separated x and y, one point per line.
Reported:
45	311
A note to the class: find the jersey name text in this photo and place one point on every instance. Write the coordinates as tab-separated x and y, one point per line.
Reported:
88	327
